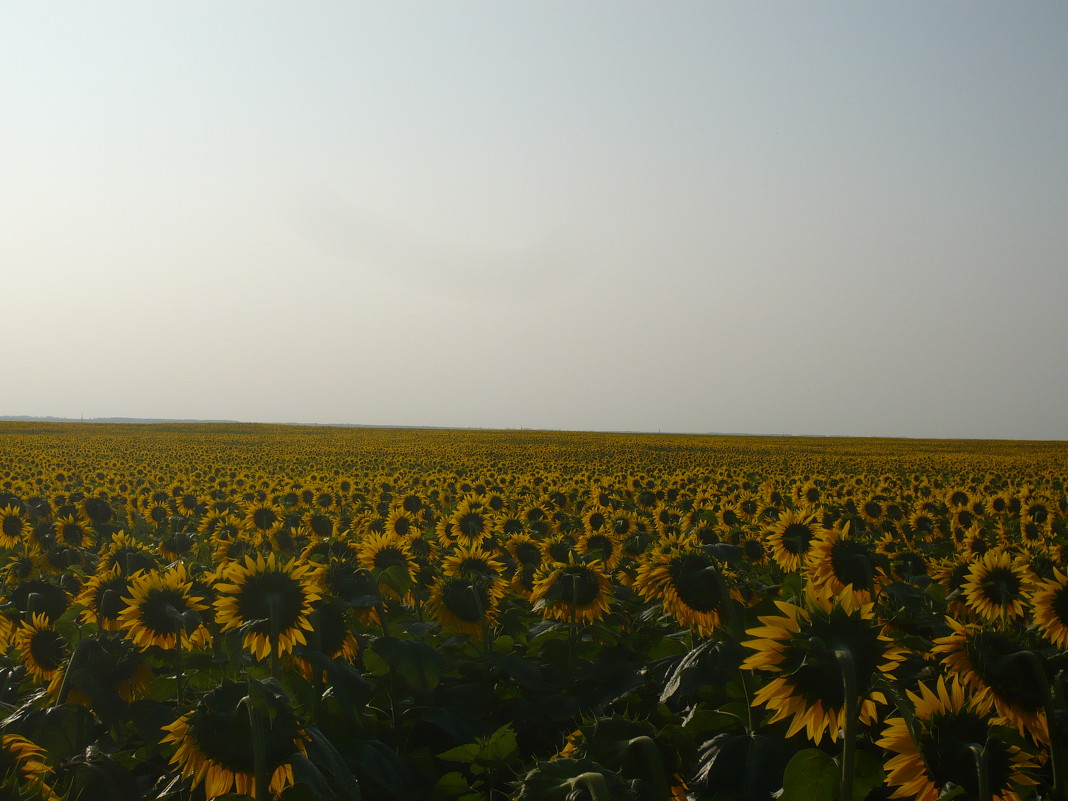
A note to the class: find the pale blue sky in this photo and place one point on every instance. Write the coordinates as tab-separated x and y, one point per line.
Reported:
768	217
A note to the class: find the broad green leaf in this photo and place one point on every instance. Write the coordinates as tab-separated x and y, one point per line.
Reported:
810	776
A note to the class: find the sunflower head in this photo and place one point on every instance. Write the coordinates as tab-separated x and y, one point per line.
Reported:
801	647
44	650
575	591
215	740
952	737
997	587
689	584
998	663
266	598
467	603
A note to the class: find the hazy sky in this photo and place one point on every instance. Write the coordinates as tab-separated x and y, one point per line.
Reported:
767	217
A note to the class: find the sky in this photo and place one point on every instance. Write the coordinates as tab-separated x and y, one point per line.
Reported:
770	217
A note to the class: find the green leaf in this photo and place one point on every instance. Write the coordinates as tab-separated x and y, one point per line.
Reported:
453	787
418	664
485	752
461	753
868	774
810	776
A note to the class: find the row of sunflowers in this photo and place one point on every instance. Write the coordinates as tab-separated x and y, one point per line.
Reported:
200	612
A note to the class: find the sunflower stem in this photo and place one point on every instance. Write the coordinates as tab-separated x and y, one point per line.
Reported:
595	784
259	749
647	747
851	704
75	659
272	605
982	774
179	629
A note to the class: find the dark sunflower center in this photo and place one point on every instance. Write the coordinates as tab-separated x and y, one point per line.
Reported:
946	750
109	598
402	525
348	583
998	662
600	546
596	521
12	526
276	589
1001	586
156	609
812	667
873	509
220	727
321	525
330	627
264	518
958	498
1039	513
476	566
796	538
465	599
471	524
851	563
389	556
696	581
48	649
577	586
559	550
50	599
72	534
528	553
1060	605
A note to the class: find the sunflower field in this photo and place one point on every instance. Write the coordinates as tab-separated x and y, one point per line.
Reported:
225	611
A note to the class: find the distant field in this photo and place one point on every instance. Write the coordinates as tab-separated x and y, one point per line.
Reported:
195	610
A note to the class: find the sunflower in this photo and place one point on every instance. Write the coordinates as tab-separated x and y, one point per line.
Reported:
1049	605
129	553
13	526
801	647
74	532
837	561
265	517
101	598
470	523
949	726
378	553
43	649
467	561
22	762
571	592
21	567
596	518
401	522
688	583
996	663
157	608
603	545
997	587
215	741
524	550
791	537
467	603
39	595
260	594
808	494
